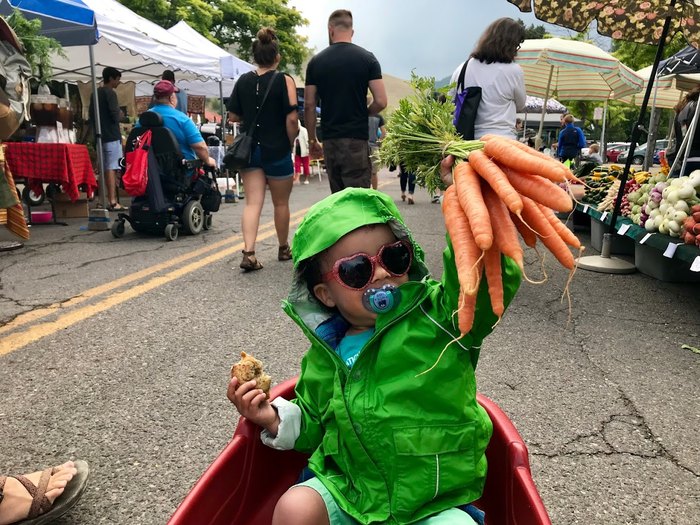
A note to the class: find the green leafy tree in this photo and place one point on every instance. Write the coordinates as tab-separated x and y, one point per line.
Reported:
638	56
37	48
532	31
233	23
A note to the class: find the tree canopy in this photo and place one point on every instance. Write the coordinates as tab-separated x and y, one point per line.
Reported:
233	23
37	48
532	31
638	56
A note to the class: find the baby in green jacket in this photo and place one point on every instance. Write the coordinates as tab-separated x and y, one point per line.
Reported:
387	444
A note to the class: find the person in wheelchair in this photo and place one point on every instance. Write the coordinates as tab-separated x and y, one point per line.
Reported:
178	194
189	138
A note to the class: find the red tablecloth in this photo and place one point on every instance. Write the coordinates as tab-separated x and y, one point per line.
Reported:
65	164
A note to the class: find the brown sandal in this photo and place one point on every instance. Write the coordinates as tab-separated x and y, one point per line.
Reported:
249	262
42	510
284	253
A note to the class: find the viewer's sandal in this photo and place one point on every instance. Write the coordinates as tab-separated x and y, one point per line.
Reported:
249	262
42	510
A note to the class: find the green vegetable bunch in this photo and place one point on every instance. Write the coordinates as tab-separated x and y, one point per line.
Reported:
420	134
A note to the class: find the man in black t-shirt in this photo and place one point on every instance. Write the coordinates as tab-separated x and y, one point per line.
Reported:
110	115
339	76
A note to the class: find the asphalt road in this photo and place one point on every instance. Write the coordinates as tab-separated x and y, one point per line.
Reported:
118	352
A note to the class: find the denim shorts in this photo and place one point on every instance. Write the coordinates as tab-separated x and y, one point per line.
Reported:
111	153
274	169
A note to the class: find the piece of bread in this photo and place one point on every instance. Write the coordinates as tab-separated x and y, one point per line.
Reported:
249	368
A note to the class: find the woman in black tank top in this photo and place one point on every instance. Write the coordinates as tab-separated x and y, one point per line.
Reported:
267	99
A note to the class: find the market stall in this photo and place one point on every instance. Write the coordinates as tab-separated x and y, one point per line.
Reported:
67	165
659	223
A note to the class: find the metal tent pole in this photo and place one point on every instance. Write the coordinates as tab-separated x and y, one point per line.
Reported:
544	104
98	218
98	131
604	263
602	131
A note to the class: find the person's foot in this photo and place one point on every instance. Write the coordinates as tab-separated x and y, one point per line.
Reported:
410	199
403	196
249	263
306	181
284	253
17	501
435	199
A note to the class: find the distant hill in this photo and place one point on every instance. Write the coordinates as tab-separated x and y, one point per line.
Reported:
443	82
396	89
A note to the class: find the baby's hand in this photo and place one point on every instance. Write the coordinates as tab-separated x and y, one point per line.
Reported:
252	404
446	170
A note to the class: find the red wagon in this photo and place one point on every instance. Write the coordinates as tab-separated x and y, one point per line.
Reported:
232	491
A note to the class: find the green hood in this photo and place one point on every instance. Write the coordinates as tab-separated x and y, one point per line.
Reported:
330	219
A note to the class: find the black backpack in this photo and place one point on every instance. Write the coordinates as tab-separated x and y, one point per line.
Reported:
569	142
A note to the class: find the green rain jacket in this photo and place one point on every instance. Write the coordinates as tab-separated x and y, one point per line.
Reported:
393	446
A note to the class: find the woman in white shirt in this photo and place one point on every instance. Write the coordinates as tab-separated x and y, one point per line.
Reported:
492	67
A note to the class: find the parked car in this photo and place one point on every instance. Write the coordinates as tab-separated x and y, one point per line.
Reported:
640	152
615	149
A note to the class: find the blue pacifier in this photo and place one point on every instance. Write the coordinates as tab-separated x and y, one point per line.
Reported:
381	300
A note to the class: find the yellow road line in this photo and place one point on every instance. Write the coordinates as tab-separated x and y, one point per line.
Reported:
40	313
21	339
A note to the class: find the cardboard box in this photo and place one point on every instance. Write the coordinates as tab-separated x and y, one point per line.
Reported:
621	244
63	208
651	261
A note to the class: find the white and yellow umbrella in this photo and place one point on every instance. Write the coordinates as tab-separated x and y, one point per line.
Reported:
667	91
574	70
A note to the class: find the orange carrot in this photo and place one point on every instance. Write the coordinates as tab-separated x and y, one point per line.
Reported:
493	174
508	154
526	233
467	253
565	233
492	270
556	165
465	314
505	235
540	189
470	199
524	147
545	232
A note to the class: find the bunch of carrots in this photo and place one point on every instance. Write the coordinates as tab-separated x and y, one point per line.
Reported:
504	189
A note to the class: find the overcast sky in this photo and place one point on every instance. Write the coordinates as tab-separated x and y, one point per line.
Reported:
432	37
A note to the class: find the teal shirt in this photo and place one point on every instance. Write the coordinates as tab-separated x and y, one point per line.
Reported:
185	131
351	345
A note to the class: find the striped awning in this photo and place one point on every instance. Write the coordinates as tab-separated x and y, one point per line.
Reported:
667	90
579	71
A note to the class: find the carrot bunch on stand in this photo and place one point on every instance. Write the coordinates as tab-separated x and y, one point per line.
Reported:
503	191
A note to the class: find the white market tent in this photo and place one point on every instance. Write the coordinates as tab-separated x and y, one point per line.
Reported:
140	49
231	67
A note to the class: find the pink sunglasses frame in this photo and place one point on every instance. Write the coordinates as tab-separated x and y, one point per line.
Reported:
374	259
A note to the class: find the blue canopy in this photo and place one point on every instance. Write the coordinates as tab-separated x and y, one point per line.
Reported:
70	22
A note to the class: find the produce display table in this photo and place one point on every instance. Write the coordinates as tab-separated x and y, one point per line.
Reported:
68	165
661	256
